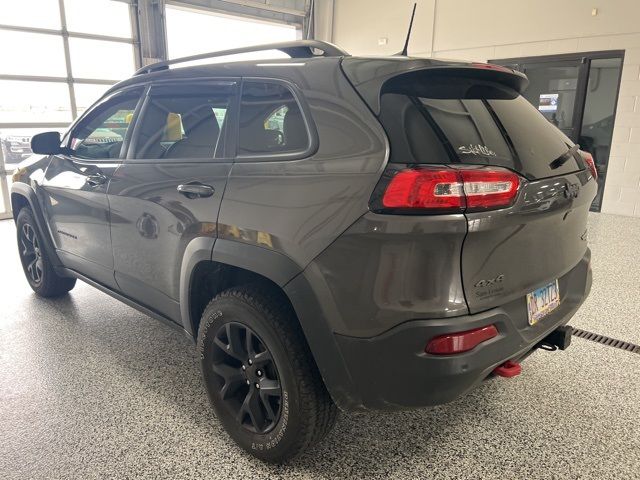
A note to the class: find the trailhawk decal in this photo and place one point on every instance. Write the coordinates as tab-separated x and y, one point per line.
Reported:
482	150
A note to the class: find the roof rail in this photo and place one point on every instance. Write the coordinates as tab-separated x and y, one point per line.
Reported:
295	49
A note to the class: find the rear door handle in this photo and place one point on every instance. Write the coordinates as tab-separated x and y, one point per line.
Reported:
196	190
96	179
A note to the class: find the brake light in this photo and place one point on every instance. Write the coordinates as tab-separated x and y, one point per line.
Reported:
451	189
460	342
588	159
425	188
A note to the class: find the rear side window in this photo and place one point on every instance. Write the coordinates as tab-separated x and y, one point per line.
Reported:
184	122
471	124
271	121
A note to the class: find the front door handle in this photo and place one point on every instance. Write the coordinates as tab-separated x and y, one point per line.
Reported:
96	179
196	190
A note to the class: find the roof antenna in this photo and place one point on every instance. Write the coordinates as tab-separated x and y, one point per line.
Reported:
406	42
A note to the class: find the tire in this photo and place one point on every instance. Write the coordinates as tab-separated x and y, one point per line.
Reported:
36	264
302	414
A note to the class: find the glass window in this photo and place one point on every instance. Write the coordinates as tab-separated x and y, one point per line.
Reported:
100	59
598	118
443	120
39	102
184	124
190	32
552	90
101	133
32	54
270	121
87	94
31	13
102	17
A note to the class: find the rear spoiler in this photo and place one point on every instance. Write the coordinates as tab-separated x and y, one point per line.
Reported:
369	75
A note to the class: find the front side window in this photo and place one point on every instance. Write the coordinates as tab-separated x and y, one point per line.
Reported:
184	123
270	121
101	133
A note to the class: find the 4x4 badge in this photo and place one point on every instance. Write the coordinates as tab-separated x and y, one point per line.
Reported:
490	281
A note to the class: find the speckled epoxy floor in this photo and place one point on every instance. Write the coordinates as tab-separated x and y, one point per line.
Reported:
90	388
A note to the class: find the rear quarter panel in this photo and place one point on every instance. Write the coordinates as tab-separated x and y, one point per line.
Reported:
299	207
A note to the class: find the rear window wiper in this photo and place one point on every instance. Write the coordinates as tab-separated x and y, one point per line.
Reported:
562	159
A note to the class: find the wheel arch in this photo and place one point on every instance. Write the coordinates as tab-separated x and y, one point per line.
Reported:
22	195
217	264
211	265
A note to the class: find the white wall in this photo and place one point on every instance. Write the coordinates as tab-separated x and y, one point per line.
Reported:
491	29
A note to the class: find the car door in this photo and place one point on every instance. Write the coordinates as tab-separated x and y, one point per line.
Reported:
75	185
168	191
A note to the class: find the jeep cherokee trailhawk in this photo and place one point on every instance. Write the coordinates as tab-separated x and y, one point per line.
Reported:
334	232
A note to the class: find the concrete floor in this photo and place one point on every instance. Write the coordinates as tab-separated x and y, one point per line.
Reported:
90	388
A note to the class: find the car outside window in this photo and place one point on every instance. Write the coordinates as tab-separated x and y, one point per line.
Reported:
270	121
181	123
101	133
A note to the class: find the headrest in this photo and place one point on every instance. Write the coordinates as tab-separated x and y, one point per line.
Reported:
203	129
173	128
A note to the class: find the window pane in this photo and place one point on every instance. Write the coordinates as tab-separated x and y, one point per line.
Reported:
101	133
597	122
34	102
31	13
16	143
100	59
184	125
32	54
270	121
190	32
87	94
103	17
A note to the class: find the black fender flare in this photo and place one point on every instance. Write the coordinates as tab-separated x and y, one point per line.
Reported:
268	263
296	285
29	194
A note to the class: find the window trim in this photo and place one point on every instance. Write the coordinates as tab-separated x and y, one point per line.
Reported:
66	139
312	133
228	137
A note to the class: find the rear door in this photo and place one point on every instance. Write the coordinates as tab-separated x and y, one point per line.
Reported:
75	185
169	189
457	120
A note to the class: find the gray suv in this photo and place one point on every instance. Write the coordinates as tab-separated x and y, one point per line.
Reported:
334	232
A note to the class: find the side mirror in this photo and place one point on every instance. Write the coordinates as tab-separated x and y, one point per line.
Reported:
47	143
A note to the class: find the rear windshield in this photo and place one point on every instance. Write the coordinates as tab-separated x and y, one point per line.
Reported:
456	122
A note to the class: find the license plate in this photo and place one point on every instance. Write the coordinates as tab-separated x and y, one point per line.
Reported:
543	301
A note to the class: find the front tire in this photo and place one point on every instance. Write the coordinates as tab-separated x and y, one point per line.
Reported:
36	264
261	378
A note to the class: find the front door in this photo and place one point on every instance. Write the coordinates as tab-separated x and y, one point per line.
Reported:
168	190
75	186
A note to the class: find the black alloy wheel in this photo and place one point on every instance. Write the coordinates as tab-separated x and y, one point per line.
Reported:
249	381
263	384
36	263
30	253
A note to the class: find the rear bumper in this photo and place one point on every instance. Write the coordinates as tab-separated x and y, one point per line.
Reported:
391	371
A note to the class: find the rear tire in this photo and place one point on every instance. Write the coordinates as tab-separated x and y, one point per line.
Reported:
36	264
249	338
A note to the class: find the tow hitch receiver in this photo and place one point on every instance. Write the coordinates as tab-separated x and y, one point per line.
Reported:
508	369
560	338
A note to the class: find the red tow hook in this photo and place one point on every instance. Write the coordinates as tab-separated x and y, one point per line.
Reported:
508	369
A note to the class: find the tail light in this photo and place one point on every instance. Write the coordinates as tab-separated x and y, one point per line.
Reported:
588	160
460	342
445	189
